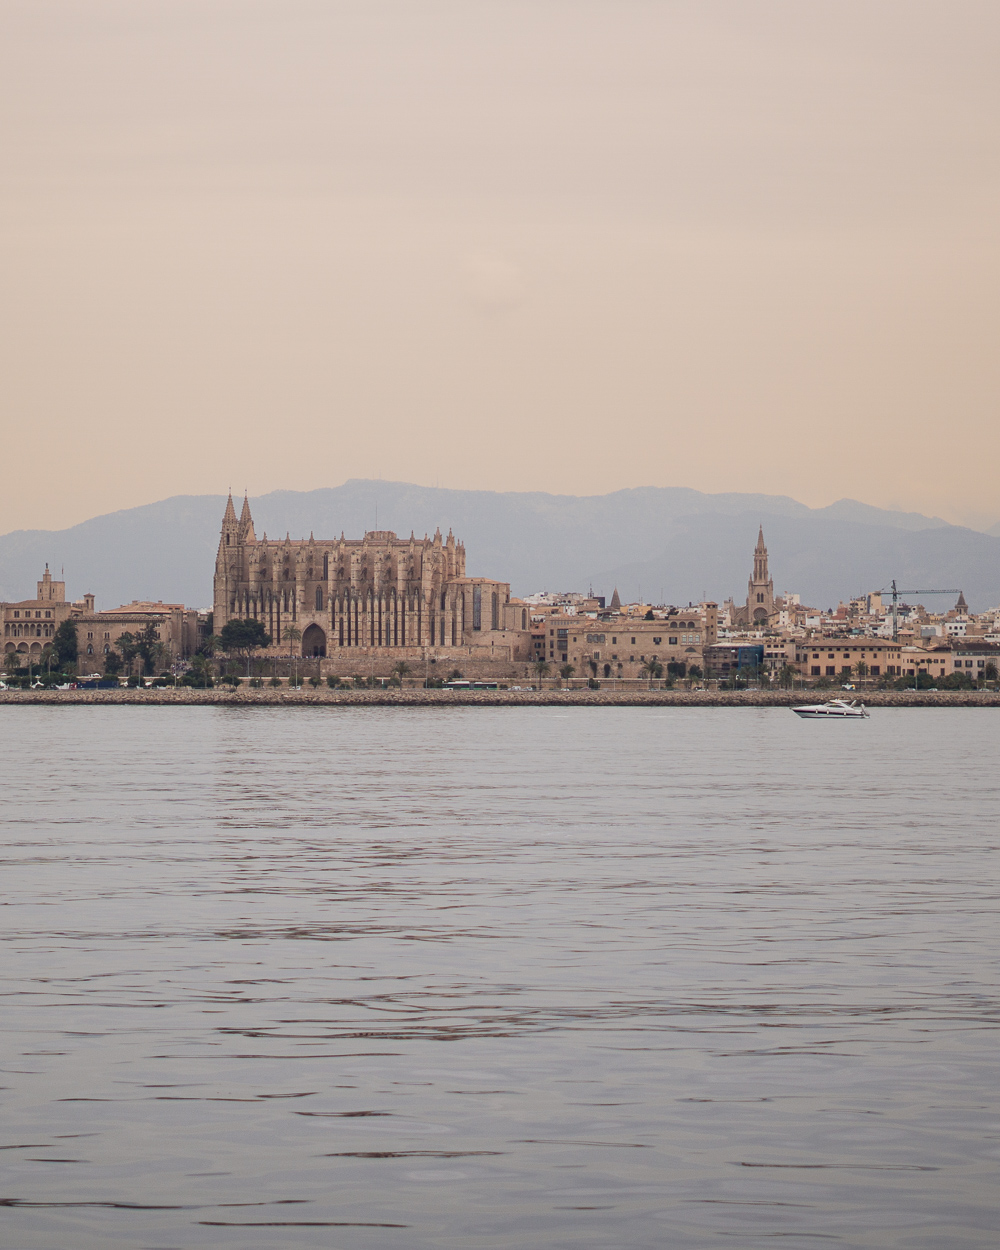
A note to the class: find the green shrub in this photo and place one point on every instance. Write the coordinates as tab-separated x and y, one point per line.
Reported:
274	683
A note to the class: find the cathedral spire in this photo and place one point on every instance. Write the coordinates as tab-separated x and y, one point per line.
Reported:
246	523
229	516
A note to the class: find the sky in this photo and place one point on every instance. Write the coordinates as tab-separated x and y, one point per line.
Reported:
543	245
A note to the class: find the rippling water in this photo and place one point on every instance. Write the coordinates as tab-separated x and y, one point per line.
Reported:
498	978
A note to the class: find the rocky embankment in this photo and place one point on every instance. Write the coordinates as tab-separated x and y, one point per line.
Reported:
308	696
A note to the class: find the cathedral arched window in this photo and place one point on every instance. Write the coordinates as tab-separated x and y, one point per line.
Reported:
494	614
319	597
326	567
443	593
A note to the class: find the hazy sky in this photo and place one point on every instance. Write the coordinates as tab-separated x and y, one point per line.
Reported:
543	245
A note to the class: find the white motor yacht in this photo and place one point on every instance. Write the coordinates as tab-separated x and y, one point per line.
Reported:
836	707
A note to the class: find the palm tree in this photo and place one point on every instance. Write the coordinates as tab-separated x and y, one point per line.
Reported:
292	634
542	670
652	668
861	671
566	672
401	670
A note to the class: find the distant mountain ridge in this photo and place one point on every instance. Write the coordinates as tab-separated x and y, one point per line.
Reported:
672	544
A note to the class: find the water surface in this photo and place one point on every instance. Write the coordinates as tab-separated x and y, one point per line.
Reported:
472	979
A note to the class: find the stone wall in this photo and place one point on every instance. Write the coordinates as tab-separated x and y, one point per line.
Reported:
309	696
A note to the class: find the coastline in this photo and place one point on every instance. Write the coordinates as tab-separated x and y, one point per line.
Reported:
309	697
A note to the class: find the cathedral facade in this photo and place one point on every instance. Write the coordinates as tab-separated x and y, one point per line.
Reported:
377	595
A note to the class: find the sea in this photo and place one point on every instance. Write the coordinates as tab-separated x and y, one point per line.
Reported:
489	978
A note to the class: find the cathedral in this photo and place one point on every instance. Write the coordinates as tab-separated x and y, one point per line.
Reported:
381	595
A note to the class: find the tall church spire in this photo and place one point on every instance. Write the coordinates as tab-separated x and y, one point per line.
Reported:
760	588
229	516
246	523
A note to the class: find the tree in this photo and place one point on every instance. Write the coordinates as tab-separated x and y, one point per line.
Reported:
112	664
292	634
244	638
129	648
786	677
695	672
66	644
861	671
566	672
12	663
649	616
401	670
201	671
148	646
990	671
542	670
652	668
48	655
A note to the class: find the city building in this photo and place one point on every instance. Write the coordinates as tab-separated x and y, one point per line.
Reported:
29	626
620	647
840	656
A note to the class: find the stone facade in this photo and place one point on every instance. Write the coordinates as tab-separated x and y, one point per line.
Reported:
30	625
617	647
379	597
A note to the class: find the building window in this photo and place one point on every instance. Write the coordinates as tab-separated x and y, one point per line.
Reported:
495	612
633	642
319	596
831	670
814	671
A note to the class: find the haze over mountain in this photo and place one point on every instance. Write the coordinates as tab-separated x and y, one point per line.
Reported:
666	544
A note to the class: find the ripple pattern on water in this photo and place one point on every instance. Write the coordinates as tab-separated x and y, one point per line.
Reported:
478	978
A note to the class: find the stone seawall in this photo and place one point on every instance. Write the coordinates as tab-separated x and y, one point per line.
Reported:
309	697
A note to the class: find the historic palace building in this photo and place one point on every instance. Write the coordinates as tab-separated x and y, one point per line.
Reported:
29	626
394	597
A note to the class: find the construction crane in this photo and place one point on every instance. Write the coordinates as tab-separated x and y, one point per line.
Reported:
895	602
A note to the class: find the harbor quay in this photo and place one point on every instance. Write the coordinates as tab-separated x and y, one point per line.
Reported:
307	696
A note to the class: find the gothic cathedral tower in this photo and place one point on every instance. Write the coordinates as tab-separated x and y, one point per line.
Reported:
227	567
760	588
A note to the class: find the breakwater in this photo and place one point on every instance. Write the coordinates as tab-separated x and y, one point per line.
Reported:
308	696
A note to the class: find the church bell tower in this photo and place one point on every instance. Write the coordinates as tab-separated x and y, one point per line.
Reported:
760	588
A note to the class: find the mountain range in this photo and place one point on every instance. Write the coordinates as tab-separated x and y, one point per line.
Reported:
661	544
